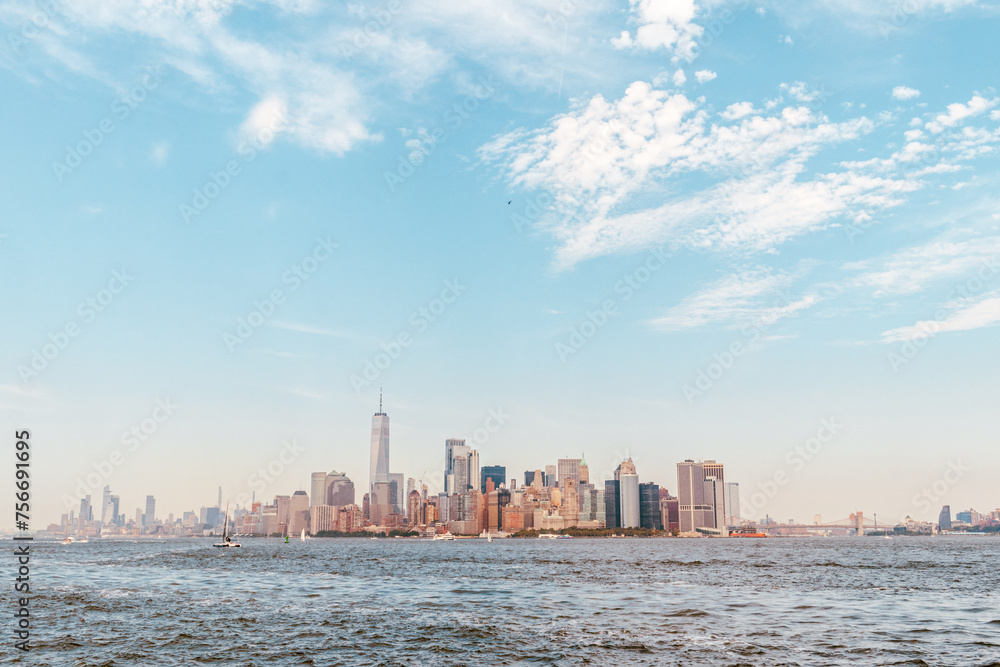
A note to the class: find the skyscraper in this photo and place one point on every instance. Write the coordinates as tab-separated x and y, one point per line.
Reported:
649	507
714	498
629	490
106	506
717	498
115	519
317	488
497	473
298	513
397	492
449	447
338	490
584	471
612	504
474	469
944	519
732	504
459	482
150	512
694	512
568	468
379	470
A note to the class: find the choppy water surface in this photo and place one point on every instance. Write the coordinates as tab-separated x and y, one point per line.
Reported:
838	601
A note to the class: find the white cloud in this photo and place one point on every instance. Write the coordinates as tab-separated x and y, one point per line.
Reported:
679	77
601	159
911	270
970	314
905	93
752	296
959	112
704	75
738	110
663	24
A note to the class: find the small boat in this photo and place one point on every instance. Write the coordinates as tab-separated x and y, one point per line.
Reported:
83	540
444	536
302	536
227	542
887	537
68	540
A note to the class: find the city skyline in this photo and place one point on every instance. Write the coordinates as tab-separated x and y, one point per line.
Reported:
764	233
704	498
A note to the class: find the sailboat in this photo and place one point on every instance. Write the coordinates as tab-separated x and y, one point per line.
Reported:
226	542
302	536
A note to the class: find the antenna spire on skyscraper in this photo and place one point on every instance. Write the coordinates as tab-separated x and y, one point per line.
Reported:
380	398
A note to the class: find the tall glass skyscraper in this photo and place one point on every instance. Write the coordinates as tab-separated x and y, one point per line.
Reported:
629	490
379	470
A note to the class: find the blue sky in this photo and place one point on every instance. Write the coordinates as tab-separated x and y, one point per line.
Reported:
727	223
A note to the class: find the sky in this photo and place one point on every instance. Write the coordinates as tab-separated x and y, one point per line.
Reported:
745	231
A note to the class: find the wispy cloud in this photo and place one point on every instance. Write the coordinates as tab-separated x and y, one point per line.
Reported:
741	298
981	312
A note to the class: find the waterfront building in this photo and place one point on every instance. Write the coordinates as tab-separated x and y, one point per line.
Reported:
282	503
322	517
150	516
649	507
693	511
612	503
670	513
944	519
733	504
629	493
713	498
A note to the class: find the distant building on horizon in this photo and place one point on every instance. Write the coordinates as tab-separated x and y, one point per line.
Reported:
944	519
733	504
629	492
379	468
693	511
649	507
150	515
